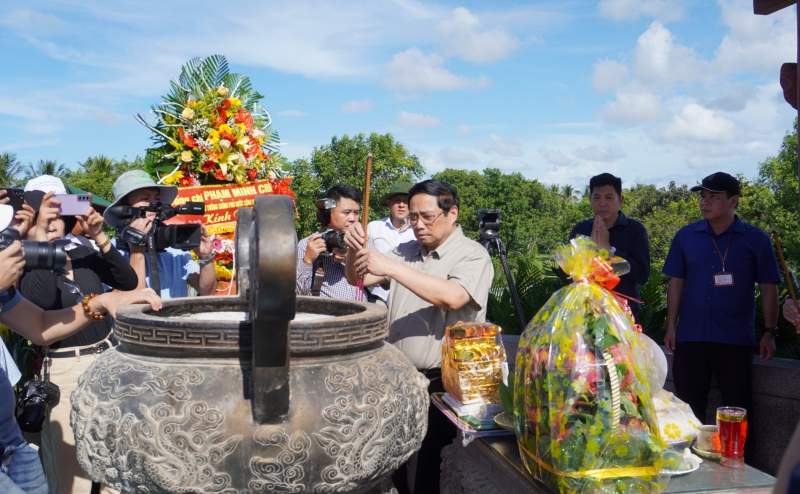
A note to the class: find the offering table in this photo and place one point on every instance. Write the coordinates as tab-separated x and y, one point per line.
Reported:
492	465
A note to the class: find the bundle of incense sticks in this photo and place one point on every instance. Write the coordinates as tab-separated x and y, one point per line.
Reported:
365	218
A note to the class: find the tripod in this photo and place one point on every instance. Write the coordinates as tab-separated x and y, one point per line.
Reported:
490	239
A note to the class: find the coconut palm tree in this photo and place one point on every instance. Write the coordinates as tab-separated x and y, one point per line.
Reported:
100	164
9	169
570	194
45	167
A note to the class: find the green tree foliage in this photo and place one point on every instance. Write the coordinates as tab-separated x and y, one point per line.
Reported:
45	167
534	215
97	174
10	170
344	161
663	211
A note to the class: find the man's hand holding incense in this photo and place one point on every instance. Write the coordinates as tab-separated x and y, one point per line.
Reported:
370	261
354	237
369	265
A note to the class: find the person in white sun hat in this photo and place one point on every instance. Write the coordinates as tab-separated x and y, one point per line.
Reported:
176	268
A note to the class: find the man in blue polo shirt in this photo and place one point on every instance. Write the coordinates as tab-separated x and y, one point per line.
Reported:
714	266
612	230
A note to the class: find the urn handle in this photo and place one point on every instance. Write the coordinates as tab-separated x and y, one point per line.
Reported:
272	277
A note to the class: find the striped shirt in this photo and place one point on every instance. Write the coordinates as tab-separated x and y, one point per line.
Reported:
334	285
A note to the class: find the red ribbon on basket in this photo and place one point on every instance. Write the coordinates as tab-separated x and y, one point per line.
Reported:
603	275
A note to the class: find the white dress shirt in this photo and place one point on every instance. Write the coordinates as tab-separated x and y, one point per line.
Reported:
383	236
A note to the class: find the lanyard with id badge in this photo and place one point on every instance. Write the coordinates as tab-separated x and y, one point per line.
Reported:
723	278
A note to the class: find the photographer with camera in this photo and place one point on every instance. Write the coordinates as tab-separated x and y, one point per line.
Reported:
85	271
320	257
175	266
437	280
20	467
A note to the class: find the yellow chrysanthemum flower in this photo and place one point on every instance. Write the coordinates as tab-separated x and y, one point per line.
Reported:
225	128
235	102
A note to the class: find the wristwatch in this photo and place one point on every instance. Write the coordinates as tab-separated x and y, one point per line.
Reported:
773	331
205	260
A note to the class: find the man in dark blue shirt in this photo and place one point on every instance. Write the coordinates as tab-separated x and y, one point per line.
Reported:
610	229
714	266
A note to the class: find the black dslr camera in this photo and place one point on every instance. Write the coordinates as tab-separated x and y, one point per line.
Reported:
32	404
161	236
333	239
37	255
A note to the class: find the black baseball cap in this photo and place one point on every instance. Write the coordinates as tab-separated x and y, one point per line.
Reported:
719	182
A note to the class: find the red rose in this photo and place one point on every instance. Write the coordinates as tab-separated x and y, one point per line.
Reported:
220	176
209	166
186	181
252	173
228	136
226	102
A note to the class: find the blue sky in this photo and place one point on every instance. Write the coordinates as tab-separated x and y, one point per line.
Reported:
650	90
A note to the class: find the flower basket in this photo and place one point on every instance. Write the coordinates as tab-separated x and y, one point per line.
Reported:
582	404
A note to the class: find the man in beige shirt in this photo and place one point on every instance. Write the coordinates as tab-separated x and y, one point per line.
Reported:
436	281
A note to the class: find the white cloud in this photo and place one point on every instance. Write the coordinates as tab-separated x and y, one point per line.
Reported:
432	166
734	98
358	106
464	130
463	39
554	156
634	105
658	60
608	75
695	162
33	22
699	124
455	157
417	120
291	113
631	10
509	165
596	153
413	70
755	42
505	147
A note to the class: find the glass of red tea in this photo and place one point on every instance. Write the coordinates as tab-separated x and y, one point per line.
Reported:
732	424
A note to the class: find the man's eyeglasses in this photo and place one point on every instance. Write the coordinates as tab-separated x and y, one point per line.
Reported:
427	218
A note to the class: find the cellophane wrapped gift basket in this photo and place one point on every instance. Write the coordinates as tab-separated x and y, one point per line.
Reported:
583	404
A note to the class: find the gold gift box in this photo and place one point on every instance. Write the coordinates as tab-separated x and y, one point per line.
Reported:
472	362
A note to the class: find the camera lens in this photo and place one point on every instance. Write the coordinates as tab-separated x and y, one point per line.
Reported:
44	255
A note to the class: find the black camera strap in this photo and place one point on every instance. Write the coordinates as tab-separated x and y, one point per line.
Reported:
155	281
46	363
319	276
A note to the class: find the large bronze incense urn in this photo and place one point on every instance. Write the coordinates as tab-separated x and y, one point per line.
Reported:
190	402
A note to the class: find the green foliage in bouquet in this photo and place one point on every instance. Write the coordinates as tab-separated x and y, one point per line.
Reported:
582	402
211	129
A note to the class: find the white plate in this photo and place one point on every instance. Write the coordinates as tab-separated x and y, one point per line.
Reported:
695	466
705	454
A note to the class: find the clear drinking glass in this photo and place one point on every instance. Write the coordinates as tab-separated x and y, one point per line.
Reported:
732	425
